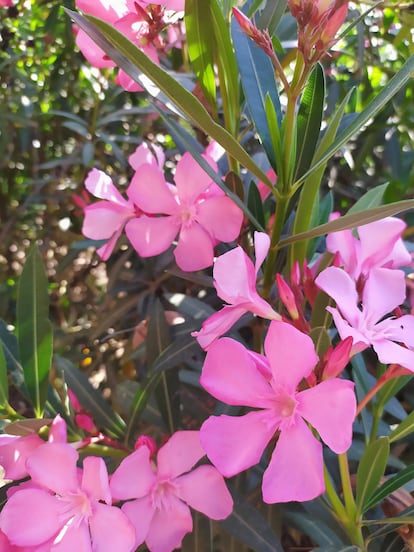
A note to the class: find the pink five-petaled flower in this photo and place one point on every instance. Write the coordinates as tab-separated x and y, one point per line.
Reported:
161	494
384	290
235	443
106	219
379	245
196	209
64	510
235	281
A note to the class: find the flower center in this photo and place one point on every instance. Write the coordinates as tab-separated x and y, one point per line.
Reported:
75	507
188	214
161	493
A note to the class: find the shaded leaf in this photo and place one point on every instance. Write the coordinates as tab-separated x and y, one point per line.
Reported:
372	198
34	330
91	399
309	119
4	384
370	470
406	427
176	353
26	427
392	484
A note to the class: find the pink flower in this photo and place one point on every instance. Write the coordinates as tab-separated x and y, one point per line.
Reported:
384	290
379	245
6	3
65	510
235	443
106	219
195	209
161	494
235	281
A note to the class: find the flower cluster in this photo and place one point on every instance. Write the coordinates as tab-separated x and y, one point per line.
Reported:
142	22
65	507
195	209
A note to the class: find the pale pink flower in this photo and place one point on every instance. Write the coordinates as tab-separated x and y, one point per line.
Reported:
379	244
159	496
384	290
235	278
195	208
106	219
235	443
66	510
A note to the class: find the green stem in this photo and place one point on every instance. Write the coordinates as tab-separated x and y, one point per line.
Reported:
351	524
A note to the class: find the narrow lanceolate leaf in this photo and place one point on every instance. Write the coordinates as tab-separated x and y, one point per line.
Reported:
257	76
370	470
91	399
4	387
406	427
34	330
381	99
372	198
200	46
391	485
309	120
161	85
351	221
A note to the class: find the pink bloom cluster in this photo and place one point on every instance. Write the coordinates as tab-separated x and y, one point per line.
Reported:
139	20
195	209
271	385
369	287
66	508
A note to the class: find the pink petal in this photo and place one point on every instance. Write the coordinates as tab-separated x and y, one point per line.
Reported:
150	191
384	290
72	537
58	431
221	217
398	329
235	443
93	54
231	375
340	286
14	452
140	513
295	471
261	248
127	83
217	324
204	490
95	480
134	476
151	236
291	354
30	517
108	11
103	219
179	454
330	407
234	276
360	341
169	526
53	465
100	185
344	243
111	530
392	353
105	251
378	240
195	249
191	180
143	154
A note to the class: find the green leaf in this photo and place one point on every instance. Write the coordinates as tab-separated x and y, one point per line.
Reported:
180	350
91	399
134	62
200	46
248	525
257	76
370	470
271	15
392	484
372	198
4	385
309	119
255	203
309	194
384	96
351	221
34	330
406	427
